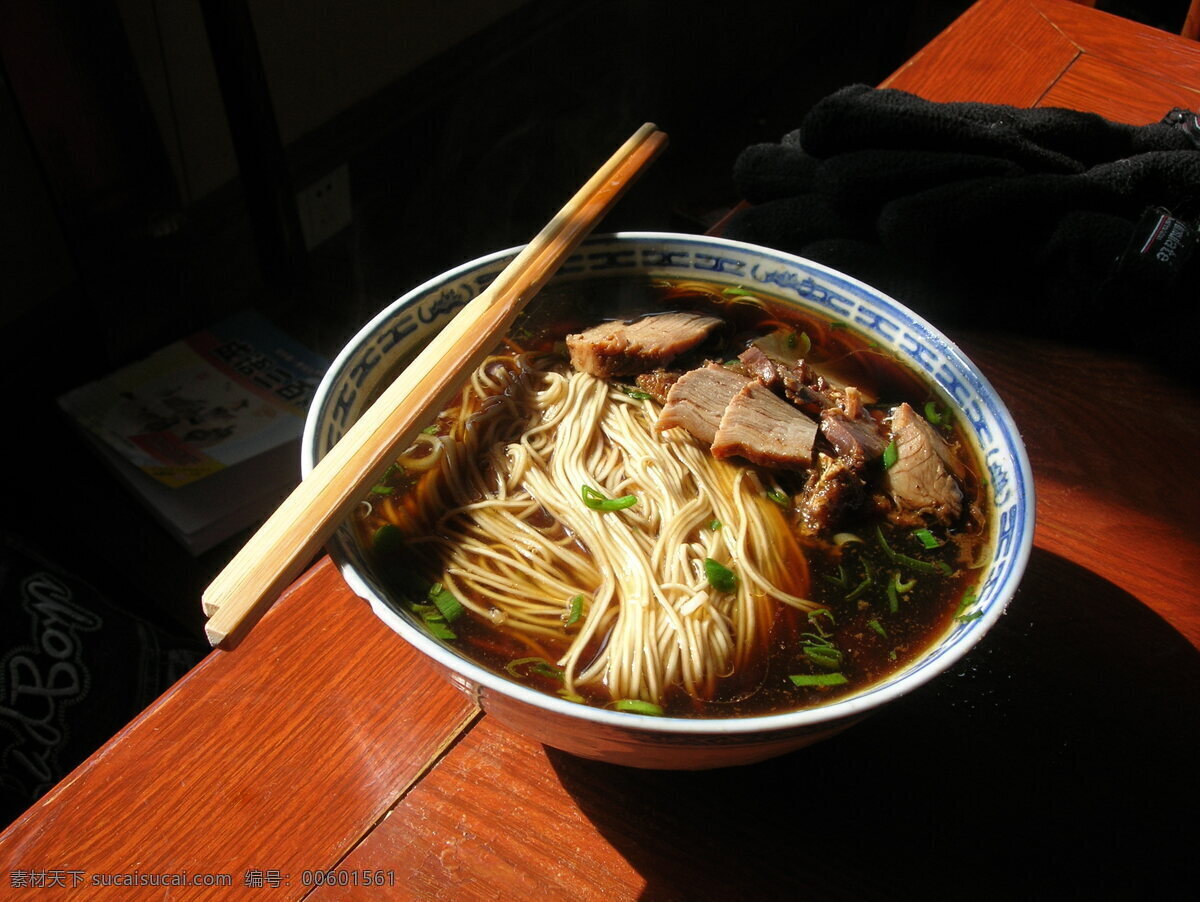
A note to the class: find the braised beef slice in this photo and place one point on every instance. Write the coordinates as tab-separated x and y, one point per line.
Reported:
833	488
699	398
626	348
923	477
855	439
759	366
657	383
764	429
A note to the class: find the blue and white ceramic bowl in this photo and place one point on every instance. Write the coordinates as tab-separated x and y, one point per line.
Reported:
397	333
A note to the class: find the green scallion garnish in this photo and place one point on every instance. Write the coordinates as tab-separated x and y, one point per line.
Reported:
904	560
926	538
448	606
890	455
719	576
824	656
878	628
969	599
933	413
636	706
387	539
814	617
382	490
868	579
600	502
714	525
779	496
439	629
818	679
513	666
574	610
536	665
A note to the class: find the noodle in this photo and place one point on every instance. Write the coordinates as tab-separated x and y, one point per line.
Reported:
497	505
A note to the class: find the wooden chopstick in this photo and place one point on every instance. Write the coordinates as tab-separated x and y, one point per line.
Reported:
275	555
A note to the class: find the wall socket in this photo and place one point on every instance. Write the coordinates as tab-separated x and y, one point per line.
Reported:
324	207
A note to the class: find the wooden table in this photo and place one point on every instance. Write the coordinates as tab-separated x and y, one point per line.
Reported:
1058	762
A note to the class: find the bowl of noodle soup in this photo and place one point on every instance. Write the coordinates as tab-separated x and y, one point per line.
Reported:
570	545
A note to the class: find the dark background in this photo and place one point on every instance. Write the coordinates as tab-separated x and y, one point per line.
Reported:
113	247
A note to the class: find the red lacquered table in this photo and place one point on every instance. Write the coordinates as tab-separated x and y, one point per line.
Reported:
322	758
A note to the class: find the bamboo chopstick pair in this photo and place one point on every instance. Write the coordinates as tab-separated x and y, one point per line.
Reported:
304	522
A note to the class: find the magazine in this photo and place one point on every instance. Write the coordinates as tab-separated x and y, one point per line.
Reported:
206	430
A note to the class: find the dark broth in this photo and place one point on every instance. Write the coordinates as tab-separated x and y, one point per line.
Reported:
889	595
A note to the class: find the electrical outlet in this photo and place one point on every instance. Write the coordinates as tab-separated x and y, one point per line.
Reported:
324	207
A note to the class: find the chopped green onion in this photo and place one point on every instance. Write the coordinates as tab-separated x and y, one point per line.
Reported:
719	576
382	489
779	496
599	502
878	628
533	665
448	606
737	292
969	599
933	413
440	630
926	538
821	651
430	430
838	324
824	656
893	595
840	579
904	560
818	679
570	696
890	455
868	579
814	619
636	706
513	665
574	610
714	525
845	538
547	670
387	539
637	394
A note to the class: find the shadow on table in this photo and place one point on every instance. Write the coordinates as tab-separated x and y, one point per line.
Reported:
1059	761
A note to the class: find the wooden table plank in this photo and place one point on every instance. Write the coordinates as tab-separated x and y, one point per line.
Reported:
494	816
277	756
1095	506
1119	92
1124	42
999	53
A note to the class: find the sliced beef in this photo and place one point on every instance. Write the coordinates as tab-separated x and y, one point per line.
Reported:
806	389
764	429
625	348
698	400
657	383
833	488
857	440
759	366
923	478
